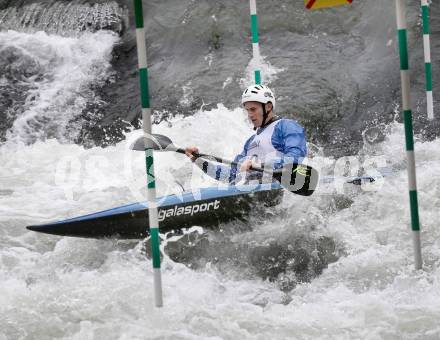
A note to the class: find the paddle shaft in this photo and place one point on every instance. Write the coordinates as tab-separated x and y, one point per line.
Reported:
163	143
204	155
227	161
290	176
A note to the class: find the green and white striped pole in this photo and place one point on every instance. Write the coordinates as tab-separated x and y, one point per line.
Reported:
255	44
407	116
146	119
427	52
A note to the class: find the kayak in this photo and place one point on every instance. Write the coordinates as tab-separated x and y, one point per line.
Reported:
206	207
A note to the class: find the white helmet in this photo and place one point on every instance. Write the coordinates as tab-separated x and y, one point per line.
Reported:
258	93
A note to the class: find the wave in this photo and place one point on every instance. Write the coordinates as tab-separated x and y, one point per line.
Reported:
49	80
64	18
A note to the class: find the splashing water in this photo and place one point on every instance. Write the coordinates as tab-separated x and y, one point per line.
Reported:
76	288
263	280
68	19
52	77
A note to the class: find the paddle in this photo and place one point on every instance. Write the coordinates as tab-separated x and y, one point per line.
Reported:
297	178
163	143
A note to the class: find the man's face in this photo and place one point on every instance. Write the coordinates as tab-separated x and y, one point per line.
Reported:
255	112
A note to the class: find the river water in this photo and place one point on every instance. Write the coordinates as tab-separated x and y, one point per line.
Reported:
336	265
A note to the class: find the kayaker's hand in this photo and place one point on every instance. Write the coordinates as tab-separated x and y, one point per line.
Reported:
190	151
246	165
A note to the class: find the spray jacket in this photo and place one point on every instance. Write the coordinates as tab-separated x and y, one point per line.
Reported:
281	141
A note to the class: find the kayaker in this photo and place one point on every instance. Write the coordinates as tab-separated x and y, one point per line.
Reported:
276	142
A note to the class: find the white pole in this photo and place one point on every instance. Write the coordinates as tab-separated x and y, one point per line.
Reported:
407	117
427	53
255	43
146	119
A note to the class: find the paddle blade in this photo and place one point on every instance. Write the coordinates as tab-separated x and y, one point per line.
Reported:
299	179
159	143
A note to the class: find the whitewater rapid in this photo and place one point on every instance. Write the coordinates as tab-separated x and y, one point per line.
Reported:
69	288
66	288
53	75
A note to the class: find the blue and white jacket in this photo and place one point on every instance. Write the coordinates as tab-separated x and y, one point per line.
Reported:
280	142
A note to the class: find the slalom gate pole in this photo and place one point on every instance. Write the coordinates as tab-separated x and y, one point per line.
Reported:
255	44
407	116
146	119
427	52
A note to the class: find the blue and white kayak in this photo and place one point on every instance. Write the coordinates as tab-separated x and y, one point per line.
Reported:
207	207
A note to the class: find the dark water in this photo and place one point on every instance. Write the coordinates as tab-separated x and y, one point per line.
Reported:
326	266
339	77
340	67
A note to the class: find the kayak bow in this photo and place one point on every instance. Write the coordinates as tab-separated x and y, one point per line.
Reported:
208	207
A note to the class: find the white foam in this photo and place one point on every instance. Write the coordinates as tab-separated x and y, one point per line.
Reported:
268	72
103	289
69	66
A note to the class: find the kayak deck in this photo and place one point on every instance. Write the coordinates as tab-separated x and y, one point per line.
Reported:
208	207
